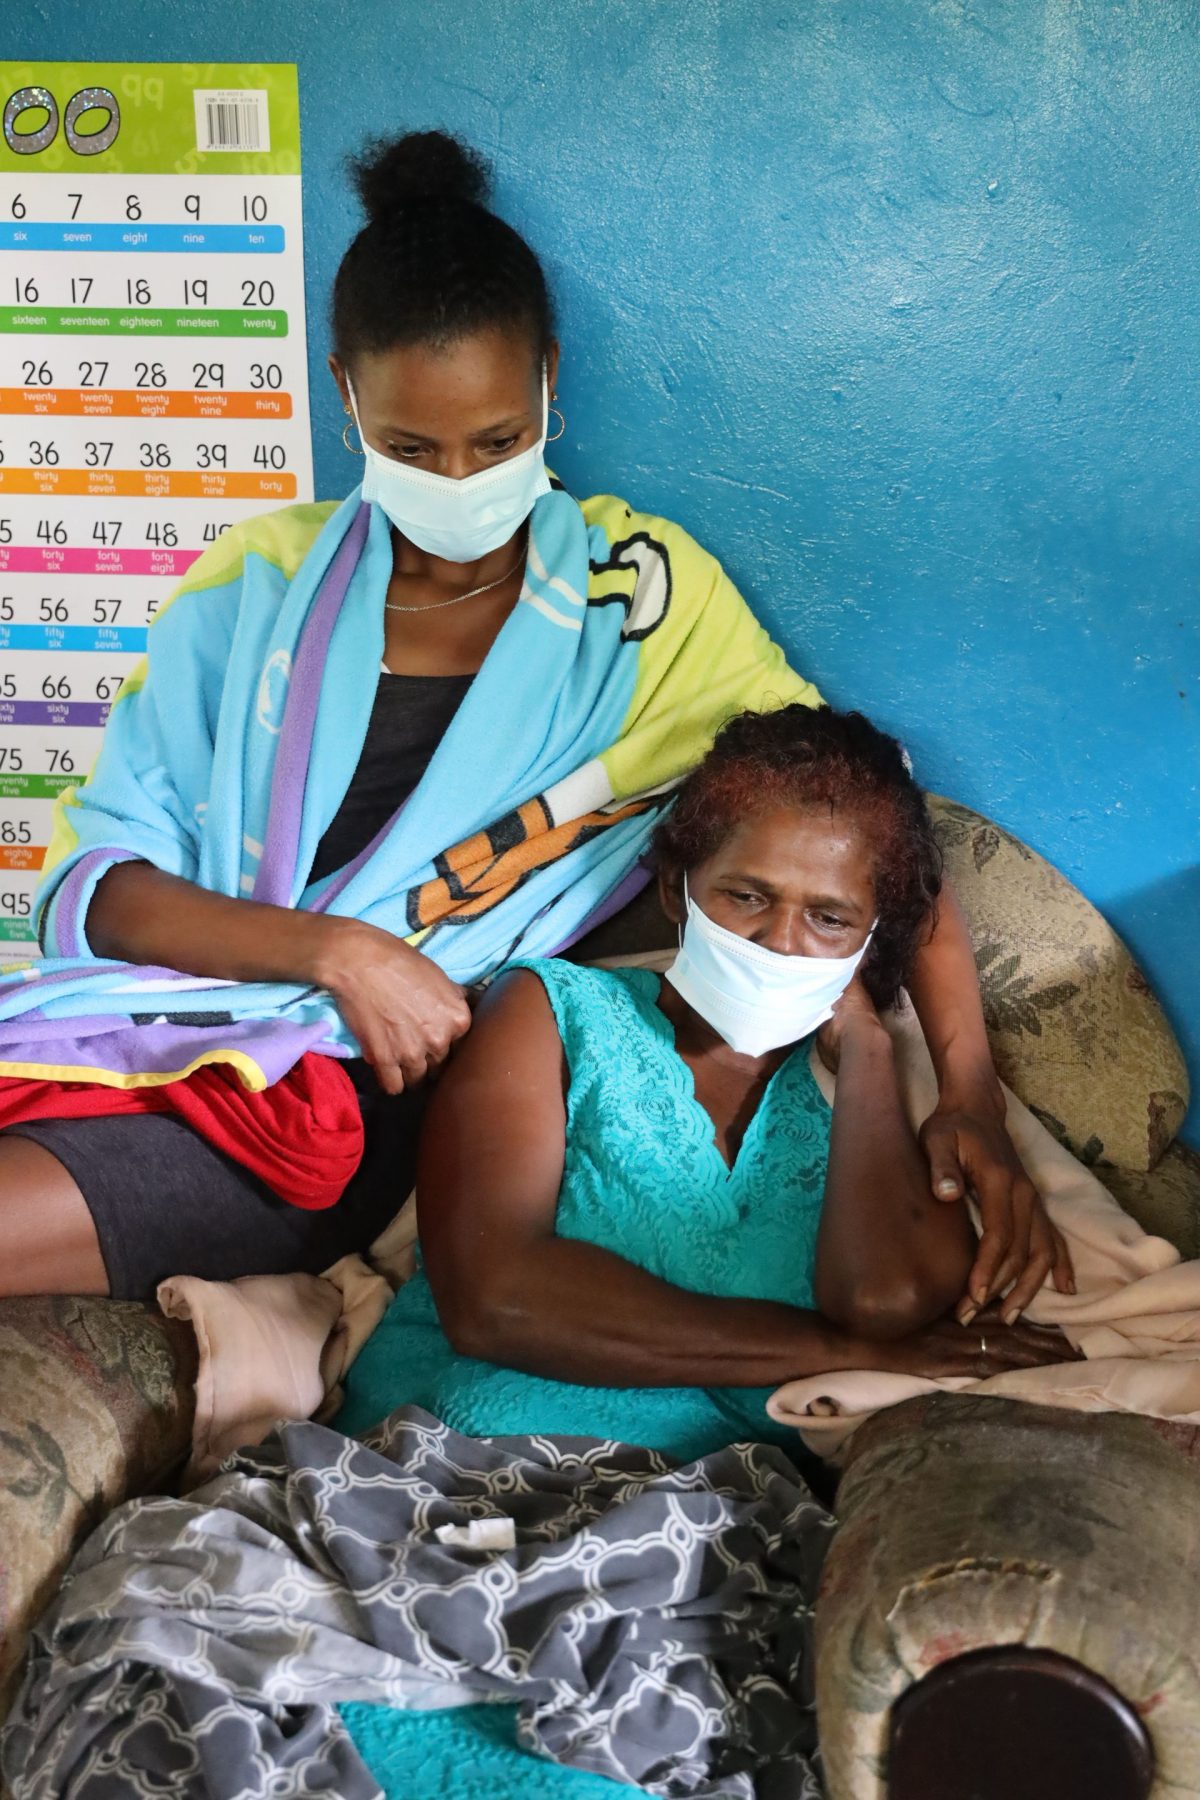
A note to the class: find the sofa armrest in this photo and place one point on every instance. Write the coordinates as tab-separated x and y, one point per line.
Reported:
96	1401
969	1523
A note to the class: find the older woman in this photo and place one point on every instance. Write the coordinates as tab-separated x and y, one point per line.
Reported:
637	1213
376	750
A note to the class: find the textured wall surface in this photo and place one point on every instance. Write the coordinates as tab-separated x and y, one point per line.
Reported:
894	305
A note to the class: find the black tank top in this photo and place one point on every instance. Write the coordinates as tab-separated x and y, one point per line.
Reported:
408	720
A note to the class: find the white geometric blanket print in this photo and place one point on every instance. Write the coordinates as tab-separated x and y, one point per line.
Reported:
653	1621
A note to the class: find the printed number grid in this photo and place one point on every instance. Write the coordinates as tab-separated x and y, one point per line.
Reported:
153	392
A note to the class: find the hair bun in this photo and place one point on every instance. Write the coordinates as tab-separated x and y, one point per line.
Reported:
421	166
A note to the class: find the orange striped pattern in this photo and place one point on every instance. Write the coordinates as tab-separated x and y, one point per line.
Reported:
144	403
483	870
156	484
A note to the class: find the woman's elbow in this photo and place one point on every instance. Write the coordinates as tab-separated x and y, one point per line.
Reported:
879	1311
480	1319
470	1326
891	1307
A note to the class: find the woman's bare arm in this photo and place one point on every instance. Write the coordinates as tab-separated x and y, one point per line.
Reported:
508	1290
403	1011
890	1257
511	1292
965	1139
139	914
945	992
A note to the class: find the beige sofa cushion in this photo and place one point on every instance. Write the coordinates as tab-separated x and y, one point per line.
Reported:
1075	1031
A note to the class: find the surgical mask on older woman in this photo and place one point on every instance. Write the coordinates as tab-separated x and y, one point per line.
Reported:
458	520
756	999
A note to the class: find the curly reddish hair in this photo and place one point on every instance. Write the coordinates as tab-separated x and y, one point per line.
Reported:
803	756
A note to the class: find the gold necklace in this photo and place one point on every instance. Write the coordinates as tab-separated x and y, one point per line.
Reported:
437	605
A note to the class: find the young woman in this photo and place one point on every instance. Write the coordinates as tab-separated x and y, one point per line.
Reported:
376	750
637	1213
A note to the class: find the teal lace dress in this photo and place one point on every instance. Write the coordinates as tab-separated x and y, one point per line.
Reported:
643	1177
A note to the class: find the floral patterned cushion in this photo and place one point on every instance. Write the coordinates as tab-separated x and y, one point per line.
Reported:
1165	1201
1075	1030
95	1404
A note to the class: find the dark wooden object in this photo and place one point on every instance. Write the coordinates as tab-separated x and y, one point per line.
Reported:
1016	1724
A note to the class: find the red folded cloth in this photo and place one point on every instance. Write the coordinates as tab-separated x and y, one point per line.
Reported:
303	1137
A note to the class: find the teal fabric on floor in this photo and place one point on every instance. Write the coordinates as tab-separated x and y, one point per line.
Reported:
470	1753
644	1178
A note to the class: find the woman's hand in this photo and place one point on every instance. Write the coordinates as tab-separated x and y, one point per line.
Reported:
967	1143
403	1010
986	1347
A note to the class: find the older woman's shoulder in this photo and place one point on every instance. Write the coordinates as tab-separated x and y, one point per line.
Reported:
582	998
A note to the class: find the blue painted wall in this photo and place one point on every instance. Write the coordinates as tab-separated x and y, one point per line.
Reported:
894	305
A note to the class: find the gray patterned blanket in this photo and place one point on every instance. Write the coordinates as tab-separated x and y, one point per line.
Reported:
652	1622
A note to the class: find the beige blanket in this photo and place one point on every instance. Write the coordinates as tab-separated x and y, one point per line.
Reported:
279	1346
1135	1315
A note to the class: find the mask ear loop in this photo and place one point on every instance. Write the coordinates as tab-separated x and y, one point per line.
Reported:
687	907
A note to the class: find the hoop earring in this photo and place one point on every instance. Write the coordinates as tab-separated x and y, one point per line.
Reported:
350	447
562	426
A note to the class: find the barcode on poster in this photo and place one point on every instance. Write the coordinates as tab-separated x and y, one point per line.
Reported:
232	119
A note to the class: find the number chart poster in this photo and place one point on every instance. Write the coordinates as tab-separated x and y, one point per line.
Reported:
153	384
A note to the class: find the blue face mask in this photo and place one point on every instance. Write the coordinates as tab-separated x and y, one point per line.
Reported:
756	999
457	520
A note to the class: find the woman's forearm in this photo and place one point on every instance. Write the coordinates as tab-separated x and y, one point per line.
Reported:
965	1139
890	1258
575	1312
945	992
139	914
